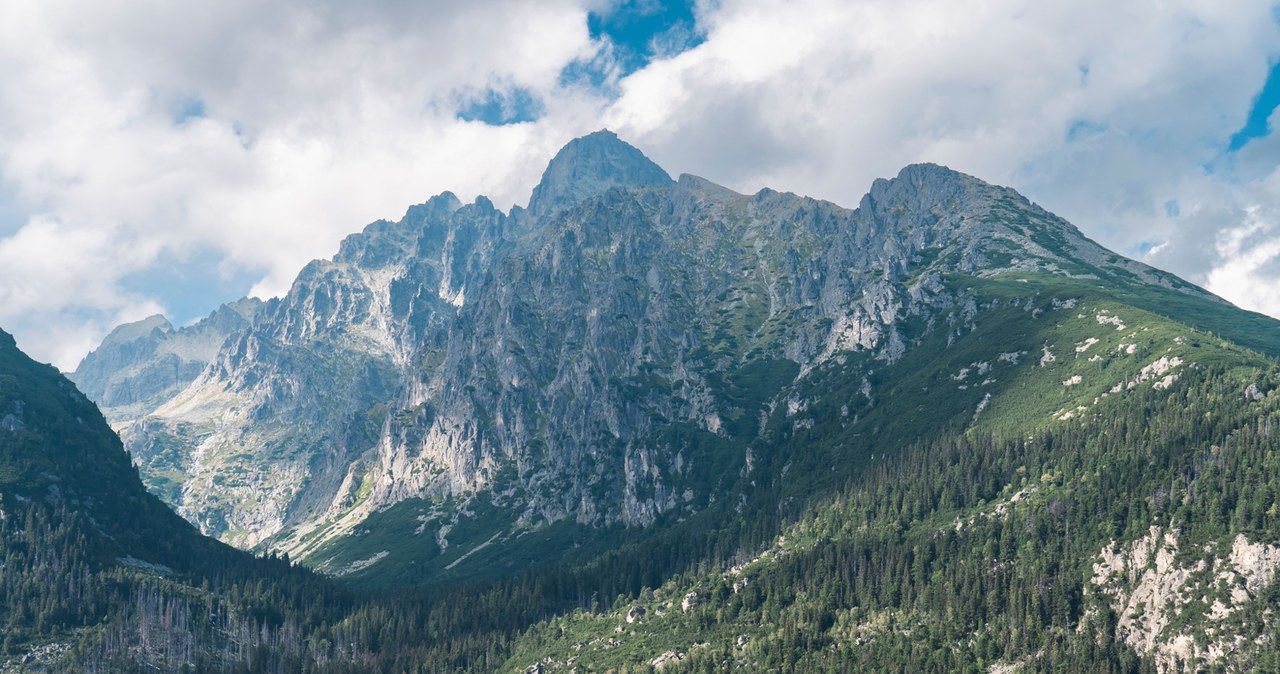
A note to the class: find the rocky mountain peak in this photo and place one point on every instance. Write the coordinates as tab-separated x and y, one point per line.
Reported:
438	206
384	242
589	166
928	171
924	182
130	332
931	187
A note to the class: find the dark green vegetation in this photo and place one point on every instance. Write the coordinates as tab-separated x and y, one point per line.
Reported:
100	575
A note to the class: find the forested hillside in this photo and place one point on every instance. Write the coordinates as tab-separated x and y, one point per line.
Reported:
967	553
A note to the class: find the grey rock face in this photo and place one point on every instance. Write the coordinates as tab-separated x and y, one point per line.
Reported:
142	364
604	356
590	166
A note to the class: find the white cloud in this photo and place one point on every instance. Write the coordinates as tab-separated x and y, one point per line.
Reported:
1231	237
322	117
1242	272
54	271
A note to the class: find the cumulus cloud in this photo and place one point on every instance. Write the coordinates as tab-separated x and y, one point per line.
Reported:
134	133
1249	266
52	270
1226	237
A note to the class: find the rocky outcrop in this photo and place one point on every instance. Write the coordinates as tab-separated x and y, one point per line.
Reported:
1175	604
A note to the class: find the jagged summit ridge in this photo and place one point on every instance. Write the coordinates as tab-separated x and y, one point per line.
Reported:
383	241
589	166
569	362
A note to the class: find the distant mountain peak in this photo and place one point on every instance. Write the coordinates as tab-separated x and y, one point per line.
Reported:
441	204
929	168
926	175
591	165
129	332
571	360
146	361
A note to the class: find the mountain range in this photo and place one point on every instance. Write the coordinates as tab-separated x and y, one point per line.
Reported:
943	430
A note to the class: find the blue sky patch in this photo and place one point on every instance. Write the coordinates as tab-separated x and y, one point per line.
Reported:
1083	127
187	109
593	74
643	30
497	108
12	218
12	215
637	33
190	289
1264	104
1140	249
